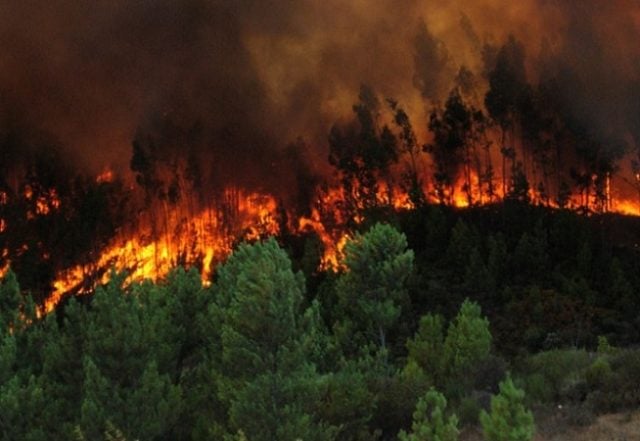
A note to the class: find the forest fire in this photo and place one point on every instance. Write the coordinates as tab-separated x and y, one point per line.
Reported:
202	240
440	103
207	238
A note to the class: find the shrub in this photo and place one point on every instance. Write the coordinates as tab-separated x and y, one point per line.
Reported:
580	415
550	372
538	389
598	373
620	389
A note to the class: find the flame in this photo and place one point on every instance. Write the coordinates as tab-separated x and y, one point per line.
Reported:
332	246
45	203
626	207
105	176
201	240
171	235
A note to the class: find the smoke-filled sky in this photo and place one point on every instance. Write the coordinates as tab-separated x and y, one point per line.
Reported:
256	74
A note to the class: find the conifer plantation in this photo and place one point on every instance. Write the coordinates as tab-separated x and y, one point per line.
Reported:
320	220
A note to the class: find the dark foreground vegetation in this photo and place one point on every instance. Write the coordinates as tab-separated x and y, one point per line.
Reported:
440	319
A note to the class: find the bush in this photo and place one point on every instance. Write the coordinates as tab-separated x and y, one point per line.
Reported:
620	388
580	415
538	389
599	373
550	373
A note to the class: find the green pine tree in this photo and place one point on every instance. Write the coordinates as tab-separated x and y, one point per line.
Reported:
426	348
468	339
373	290
429	422
265	378
509	420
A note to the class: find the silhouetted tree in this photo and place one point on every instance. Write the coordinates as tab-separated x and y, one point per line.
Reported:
362	154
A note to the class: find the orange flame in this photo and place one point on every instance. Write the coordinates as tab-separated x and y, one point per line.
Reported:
202	240
105	177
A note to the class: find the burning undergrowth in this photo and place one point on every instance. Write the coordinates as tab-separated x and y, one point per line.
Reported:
142	136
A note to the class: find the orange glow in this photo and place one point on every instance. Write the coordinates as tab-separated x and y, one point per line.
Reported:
44	203
626	207
170	235
203	240
105	177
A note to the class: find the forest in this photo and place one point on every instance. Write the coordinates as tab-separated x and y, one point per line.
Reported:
329	221
440	319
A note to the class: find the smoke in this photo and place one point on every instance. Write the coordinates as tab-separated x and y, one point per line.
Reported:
251	76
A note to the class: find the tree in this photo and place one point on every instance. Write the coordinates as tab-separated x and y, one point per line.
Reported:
427	346
530	259
10	302
429	423
362	154
130	349
464	239
21	404
373	288
507	88
509	420
452	128
412	182
468	342
265	379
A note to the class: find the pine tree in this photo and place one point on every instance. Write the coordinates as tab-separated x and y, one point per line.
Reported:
21	404
468	343
373	289
509	420
426	348
429	422
129	353
265	378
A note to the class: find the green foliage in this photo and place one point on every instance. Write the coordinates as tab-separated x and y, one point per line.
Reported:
258	357
264	379
426	348
469	411
429	422
616	386
551	372
21	405
604	347
530	257
468	340
10	302
347	402
461	245
477	277
598	373
373	290
509	420
449	361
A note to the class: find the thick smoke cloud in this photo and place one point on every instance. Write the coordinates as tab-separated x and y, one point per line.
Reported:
250	76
